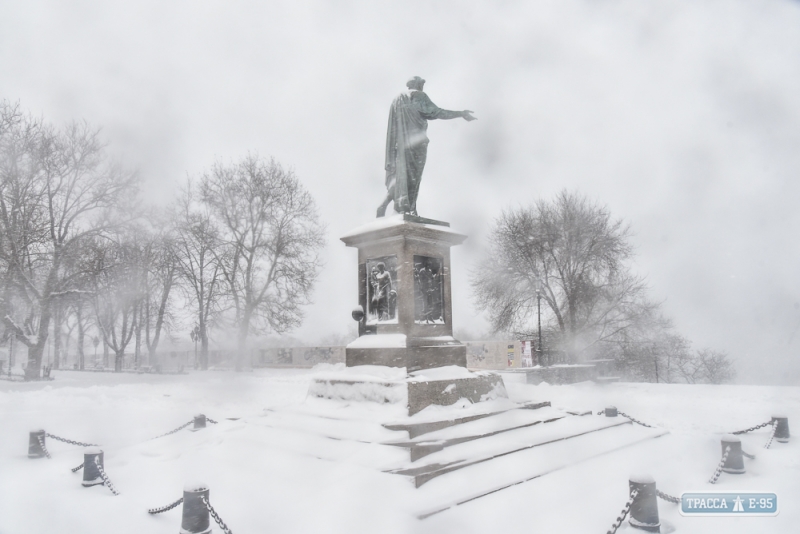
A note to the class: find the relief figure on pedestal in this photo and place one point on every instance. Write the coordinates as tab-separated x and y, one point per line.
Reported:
382	290
428	290
407	145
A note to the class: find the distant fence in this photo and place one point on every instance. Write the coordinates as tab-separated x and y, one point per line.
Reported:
297	356
492	354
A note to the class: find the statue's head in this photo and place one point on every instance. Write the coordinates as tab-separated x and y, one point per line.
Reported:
415	83
381	267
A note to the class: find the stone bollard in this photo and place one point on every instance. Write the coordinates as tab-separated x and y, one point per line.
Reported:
611	411
734	464
35	449
195	514
782	432
199	422
91	475
644	509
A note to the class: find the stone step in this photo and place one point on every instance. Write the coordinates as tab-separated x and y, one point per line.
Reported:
418	429
480	428
480	478
465	454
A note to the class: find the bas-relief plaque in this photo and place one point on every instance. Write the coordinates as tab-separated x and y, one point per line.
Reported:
382	290
428	290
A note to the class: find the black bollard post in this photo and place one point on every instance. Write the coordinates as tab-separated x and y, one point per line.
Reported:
644	509
199	422
35	449
734	463
611	411
782	432
91	475
195	514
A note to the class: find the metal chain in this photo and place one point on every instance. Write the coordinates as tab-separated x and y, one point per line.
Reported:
78	443
718	472
623	414
668	498
103	475
624	513
211	421
216	517
745	431
772	436
173	431
76	469
601	412
165	508
41	444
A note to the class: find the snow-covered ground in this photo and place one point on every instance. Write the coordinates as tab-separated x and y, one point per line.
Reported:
272	465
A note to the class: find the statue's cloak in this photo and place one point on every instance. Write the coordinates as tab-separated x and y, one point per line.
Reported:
407	146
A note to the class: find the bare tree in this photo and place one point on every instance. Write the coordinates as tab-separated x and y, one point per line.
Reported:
270	236
116	287
155	271
57	190
196	238
578	256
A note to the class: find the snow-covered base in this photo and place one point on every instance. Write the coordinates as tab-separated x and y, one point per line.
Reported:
282	467
443	386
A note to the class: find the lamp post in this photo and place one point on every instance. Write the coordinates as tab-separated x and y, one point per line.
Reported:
539	316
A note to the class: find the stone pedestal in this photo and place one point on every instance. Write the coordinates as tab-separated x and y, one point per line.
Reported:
404	292
405	320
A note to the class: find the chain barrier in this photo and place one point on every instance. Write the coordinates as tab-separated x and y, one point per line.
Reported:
76	469
211	421
772	435
41	444
747	455
745	431
718	472
173	431
216	517
166	508
601	412
623	414
78	443
668	498
103	475
624	513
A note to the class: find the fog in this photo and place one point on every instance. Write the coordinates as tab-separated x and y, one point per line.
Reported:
682	117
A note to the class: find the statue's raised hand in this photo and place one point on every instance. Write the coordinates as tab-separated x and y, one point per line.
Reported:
467	114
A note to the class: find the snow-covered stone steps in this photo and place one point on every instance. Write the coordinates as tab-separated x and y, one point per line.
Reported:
478	428
424	427
499	444
469	480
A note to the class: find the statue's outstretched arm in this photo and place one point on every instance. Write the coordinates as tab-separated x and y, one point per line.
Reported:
431	111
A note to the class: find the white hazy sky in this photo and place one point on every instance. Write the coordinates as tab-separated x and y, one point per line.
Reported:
683	117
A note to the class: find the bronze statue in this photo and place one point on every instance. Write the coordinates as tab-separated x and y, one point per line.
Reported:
407	145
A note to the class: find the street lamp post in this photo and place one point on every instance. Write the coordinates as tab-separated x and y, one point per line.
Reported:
539	315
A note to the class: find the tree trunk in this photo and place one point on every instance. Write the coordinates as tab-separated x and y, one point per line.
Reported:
81	337
242	342
35	352
203	346
119	357
137	346
56	340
